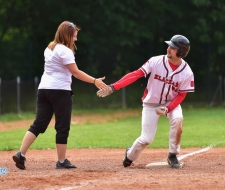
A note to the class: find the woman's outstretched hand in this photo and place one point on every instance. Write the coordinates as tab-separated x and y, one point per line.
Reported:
100	84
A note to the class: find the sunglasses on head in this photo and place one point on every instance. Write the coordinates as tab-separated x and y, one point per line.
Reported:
71	24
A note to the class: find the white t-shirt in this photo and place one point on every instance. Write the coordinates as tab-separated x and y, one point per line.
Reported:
164	83
56	75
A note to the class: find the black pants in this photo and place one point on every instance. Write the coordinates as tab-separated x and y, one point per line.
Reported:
49	102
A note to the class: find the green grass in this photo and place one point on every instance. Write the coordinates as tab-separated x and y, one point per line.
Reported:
12	116
31	115
202	127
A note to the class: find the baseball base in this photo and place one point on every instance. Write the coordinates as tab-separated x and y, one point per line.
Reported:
160	165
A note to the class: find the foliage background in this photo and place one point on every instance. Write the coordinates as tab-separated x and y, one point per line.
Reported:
116	37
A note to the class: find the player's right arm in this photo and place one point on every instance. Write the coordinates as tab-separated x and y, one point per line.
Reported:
128	79
123	82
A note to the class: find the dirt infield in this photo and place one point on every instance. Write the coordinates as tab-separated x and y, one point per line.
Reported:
101	169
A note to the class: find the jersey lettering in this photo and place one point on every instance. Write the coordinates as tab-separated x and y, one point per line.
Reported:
168	81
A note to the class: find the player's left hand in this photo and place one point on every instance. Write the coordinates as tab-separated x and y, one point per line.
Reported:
161	111
105	92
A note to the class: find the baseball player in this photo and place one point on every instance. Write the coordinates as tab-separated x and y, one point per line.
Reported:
169	81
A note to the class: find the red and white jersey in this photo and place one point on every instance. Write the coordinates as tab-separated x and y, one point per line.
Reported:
164	83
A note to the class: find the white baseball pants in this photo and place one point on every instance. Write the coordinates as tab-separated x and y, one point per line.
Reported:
149	128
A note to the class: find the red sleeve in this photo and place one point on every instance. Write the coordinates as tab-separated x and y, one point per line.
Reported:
128	79
176	101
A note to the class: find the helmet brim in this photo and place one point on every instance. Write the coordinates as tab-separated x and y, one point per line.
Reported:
172	44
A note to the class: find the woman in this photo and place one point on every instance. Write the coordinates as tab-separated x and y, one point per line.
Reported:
54	94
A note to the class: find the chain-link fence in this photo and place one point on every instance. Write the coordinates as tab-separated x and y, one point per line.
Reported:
20	95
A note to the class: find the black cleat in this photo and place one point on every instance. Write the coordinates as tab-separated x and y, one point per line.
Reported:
173	161
19	159
66	164
126	161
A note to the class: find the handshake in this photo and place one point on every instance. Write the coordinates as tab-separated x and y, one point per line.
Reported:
105	92
110	89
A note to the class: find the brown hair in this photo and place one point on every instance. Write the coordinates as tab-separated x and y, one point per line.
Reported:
64	35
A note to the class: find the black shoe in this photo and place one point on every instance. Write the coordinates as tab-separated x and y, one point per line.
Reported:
126	161
65	164
19	159
172	160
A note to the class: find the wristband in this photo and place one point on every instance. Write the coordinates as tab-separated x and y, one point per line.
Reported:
113	89
94	81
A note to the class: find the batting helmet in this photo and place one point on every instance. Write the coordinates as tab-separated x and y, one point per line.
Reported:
181	43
